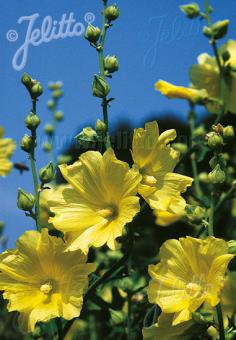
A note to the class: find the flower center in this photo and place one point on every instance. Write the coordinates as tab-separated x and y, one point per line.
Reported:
47	287
108	212
149	180
193	289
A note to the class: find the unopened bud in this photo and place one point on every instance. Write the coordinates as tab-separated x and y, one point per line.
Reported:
190	10
36	90
26	143
25	201
57	93
51	104
111	64
195	213
47	147
225	56
180	147
26	80
217	175
203	177
100	126
218	30
59	116
32	121
88	134
219	159
49	129
228	133
214	141
92	33
100	87
47	173
112	12
64	159
55	85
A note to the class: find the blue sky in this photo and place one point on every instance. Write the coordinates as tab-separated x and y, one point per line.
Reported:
152	40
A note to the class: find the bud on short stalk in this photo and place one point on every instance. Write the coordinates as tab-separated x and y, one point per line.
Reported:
47	173
32	121
26	143
100	87
25	201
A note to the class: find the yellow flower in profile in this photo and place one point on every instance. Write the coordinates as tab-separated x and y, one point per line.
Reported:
41	280
156	160
206	75
99	203
172	91
7	146
191	272
163	329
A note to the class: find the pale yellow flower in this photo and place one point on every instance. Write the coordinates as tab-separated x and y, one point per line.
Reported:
206	75
191	272
156	160
172	91
41	280
163	329
99	203
7	146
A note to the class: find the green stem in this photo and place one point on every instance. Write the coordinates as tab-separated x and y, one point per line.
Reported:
220	321
33	167
59	329
129	300
102	74
211	217
224	198
191	119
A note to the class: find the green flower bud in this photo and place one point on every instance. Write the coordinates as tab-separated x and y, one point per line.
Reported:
190	10
232	247
27	80
59	116
117	316
47	147
111	64
88	134
55	86
57	94
203	177
225	56
217	175
36	90
25	201
49	129
92	34
112	13
32	121
218	29
51	104
207	31
219	159
195	213
47	173
199	131
100	126
26	143
215	141
228	133
64	159
100	87
180	147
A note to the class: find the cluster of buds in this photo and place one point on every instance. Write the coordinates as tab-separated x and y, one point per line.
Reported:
49	128
34	87
216	139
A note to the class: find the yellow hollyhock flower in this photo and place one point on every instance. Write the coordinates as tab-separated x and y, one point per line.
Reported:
228	295
206	75
41	280
99	203
191	272
7	146
156	160
163	329
172	91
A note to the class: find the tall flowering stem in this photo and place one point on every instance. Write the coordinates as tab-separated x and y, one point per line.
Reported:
33	165
100	49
